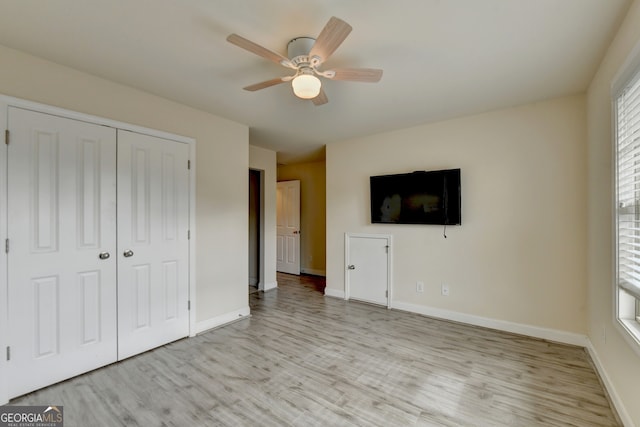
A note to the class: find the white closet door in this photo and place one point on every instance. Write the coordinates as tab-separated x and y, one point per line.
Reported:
62	216
288	227
153	250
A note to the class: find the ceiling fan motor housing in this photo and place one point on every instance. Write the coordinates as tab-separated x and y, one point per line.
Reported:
298	50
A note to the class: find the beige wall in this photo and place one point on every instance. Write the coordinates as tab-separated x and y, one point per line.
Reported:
312	213
221	164
265	160
619	361
520	254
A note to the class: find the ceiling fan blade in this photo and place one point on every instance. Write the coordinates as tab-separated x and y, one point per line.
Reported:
266	84
320	99
370	75
258	50
331	36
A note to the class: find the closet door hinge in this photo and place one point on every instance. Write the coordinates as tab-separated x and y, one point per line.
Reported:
386	249
189	305
6	137
386	294
188	234
188	164
8	353
6	246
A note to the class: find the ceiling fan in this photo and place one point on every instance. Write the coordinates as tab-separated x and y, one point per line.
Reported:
306	55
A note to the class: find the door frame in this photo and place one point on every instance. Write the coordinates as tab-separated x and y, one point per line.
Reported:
297	238
389	239
261	227
5	103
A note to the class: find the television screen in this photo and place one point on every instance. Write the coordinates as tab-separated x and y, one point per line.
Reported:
431	197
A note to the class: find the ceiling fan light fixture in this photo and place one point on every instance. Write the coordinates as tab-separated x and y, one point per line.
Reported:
306	55
306	86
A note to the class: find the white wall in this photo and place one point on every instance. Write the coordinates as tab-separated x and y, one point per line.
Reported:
520	255
621	365
222	153
265	160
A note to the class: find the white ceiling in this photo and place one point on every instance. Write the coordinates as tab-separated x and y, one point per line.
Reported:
441	58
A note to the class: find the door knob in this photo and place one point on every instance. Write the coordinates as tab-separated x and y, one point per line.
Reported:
104	255
128	253
351	267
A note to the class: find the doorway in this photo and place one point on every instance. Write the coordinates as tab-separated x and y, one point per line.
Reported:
288	227
255	229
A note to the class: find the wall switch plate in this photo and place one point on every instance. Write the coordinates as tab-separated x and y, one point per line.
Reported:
419	286
445	290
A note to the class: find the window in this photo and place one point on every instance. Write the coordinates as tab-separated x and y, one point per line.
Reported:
627	109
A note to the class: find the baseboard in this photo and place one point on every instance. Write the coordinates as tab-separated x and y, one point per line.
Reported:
269	286
221	320
516	328
313	272
334	293
608	385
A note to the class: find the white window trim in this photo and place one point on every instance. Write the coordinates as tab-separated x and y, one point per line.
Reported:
629	328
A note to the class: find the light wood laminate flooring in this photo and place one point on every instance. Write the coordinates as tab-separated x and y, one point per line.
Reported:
306	360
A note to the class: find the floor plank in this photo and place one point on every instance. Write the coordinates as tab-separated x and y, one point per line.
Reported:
306	360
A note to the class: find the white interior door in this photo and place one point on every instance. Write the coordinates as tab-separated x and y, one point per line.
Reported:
153	247
368	266
288	227
62	216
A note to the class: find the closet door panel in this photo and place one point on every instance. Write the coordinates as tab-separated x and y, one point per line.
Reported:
153	252
61	217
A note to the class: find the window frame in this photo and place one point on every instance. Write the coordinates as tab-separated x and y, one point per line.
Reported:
626	310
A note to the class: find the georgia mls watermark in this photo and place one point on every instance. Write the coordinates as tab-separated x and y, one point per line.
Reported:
31	416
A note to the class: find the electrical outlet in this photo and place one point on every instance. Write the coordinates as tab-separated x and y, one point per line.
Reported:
445	290
419	286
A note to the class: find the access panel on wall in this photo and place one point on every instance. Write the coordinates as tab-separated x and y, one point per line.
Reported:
368	263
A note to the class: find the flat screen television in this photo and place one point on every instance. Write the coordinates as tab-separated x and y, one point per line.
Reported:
431	197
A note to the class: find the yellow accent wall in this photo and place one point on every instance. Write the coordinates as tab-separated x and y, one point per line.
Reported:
312	213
